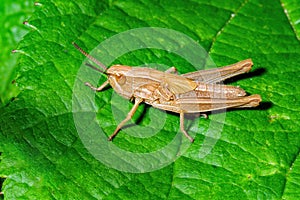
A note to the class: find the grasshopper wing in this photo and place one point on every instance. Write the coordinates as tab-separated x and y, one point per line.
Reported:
174	83
219	74
178	84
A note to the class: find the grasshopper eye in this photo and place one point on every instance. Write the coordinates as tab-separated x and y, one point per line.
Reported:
121	79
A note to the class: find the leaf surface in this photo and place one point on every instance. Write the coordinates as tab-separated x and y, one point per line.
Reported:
254	156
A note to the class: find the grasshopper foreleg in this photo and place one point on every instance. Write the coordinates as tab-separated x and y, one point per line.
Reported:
128	117
95	88
182	127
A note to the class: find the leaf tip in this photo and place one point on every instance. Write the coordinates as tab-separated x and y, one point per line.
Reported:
37	4
17	51
26	23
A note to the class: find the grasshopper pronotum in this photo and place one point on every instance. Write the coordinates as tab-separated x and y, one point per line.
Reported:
194	92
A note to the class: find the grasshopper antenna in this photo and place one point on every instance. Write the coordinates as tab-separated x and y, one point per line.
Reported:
92	59
95	68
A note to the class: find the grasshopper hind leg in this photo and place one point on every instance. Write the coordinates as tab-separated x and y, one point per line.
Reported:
182	128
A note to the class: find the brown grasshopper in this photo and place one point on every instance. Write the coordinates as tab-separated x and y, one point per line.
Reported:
194	92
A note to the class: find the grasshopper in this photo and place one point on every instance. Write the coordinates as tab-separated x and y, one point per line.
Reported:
194	92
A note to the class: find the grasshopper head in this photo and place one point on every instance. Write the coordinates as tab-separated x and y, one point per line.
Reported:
117	76
118	70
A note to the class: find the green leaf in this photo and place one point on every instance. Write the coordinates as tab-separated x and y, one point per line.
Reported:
291	190
12	15
292	10
50	149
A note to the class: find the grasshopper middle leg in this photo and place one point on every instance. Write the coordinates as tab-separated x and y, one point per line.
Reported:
182	128
128	117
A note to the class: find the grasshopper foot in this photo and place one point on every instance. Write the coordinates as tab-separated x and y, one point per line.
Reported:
189	137
90	86
110	138
204	115
95	88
